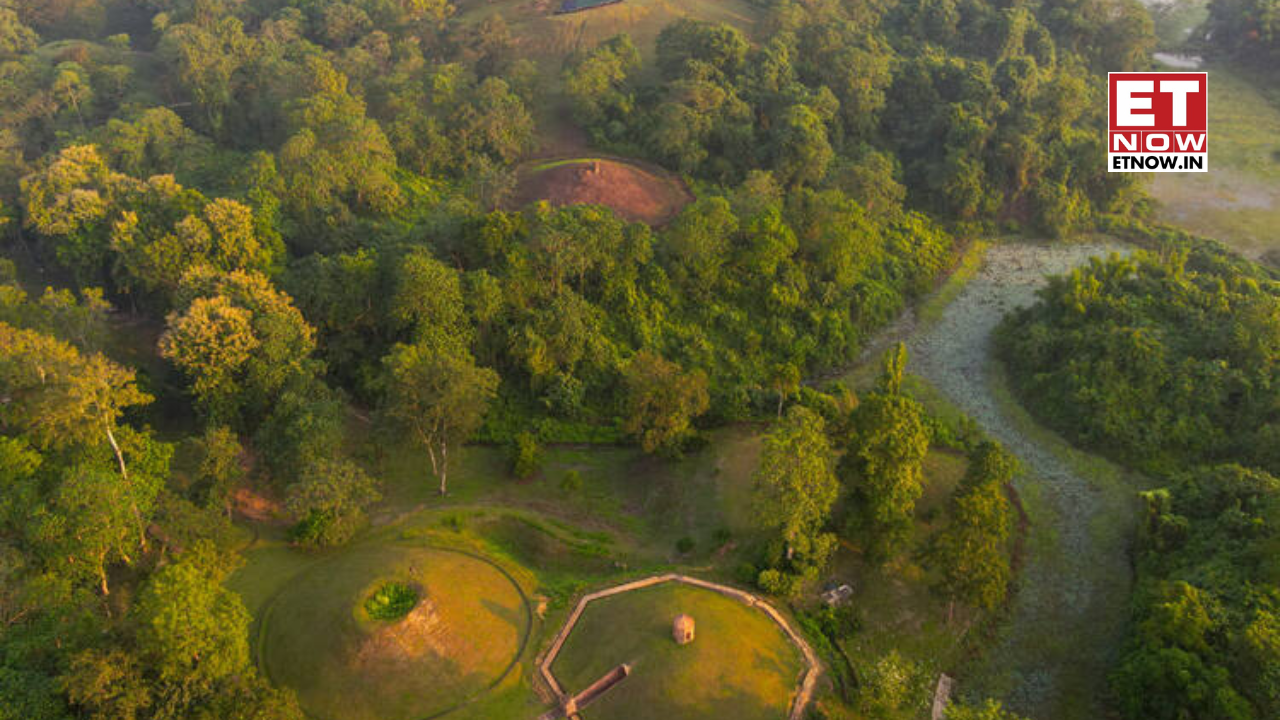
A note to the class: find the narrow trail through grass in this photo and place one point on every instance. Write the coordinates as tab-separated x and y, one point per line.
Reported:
1052	657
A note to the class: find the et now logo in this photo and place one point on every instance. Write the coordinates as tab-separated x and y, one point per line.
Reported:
1157	122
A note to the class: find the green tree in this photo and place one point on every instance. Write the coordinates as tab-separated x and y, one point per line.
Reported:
598	84
156	142
428	300
69	201
206	59
795	488
697	244
212	341
971	550
240	340
785	381
60	399
883	461
525	455
108	685
721	46
90	523
801	150
493	122
891	688
191	629
221	466
439	397
662	401
328	502
16	39
337	161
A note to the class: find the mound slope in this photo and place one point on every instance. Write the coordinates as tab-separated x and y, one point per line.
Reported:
635	193
468	627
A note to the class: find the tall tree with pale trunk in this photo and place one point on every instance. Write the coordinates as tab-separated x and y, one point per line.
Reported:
440	397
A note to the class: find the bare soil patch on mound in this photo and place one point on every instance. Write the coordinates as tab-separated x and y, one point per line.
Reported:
407	640
636	193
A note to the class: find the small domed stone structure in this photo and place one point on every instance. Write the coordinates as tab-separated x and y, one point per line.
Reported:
682	629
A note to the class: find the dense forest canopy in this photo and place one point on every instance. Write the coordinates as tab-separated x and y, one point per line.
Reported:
305	209
1163	360
977	112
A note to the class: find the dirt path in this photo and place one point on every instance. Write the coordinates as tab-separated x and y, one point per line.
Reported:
1052	658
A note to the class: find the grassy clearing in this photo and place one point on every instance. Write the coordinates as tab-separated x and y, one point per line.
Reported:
627	518
896	608
650	502
740	665
1175	20
1238	200
464	635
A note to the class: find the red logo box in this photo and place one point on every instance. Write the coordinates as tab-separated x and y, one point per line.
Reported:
1157	122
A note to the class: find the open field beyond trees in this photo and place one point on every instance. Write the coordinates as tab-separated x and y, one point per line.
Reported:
1238	200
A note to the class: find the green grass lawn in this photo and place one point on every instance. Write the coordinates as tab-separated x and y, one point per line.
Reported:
1176	20
627	516
652	502
466	634
740	665
1238	200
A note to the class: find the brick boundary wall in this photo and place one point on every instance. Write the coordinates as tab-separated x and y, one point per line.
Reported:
813	668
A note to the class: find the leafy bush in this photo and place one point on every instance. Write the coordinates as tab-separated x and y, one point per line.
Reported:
525	455
892	688
572	482
684	545
392	601
781	583
329	502
841	621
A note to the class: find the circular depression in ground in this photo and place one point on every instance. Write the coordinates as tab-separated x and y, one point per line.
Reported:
462	636
740	665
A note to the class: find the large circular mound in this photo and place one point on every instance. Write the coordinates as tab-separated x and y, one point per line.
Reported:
635	193
462	635
740	664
